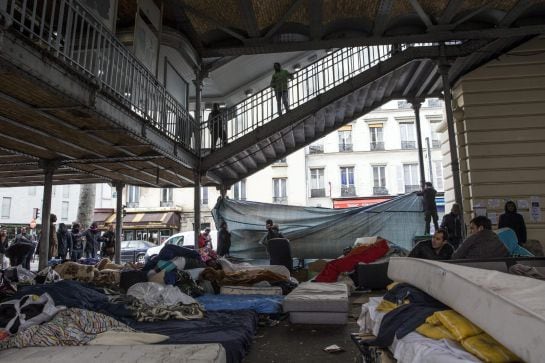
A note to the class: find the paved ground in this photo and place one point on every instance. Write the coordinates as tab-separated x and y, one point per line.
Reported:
287	343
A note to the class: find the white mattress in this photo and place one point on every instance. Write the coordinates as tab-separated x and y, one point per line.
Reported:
251	290
300	317
192	353
510	308
317	297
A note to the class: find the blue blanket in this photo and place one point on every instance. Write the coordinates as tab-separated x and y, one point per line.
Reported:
261	304
232	329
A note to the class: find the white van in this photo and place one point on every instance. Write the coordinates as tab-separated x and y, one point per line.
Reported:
186	239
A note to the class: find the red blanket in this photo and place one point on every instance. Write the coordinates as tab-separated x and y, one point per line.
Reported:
365	254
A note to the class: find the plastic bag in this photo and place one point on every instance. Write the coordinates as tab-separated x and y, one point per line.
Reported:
152	294
47	276
24	275
30	310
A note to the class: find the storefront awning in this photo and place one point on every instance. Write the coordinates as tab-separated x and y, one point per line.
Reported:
140	220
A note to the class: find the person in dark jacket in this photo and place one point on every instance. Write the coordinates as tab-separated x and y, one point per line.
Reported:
92	244
4	243
515	221
216	126
77	242
452	223
482	242
64	239
273	231
224	240
108	243
430	208
437	248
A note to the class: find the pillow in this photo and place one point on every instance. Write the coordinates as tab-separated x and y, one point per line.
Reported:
112	337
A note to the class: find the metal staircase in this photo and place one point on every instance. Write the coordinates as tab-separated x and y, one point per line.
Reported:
327	94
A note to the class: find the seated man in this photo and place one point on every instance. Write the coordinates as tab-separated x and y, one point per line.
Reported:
482	242
437	248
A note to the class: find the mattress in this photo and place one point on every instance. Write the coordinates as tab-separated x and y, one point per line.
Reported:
251	290
301	317
195	353
234	330
508	307
261	304
318	297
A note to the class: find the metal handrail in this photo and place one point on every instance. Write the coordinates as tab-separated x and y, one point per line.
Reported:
72	34
307	83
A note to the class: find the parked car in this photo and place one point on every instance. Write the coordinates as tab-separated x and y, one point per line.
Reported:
134	251
186	239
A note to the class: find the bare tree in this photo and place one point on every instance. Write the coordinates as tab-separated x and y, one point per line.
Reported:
86	204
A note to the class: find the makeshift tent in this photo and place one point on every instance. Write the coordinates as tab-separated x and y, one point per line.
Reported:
319	232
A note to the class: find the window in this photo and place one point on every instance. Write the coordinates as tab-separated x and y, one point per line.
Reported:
438	175
408	140
66	191
31	190
435	102
347	182
64	211
6	207
317	188
175	84
410	178
345	138
166	197
204	195
435	140
377	140
281	161
133	196
379	180
280	194
316	149
106	191
403	104
240	190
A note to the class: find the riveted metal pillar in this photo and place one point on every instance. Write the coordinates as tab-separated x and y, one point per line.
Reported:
417	103
454	163
49	167
118	220
197	173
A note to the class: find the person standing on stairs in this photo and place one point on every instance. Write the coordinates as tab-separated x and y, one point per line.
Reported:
279	83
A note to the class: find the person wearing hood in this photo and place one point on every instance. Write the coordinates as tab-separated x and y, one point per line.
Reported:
92	245
515	221
64	239
77	242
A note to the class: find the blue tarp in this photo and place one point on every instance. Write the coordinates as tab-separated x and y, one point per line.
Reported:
319	232
261	304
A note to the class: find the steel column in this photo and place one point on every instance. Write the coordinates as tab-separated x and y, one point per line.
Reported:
197	175
49	167
455	165
417	103
118	220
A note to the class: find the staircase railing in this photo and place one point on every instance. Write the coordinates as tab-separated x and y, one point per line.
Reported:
69	32
307	83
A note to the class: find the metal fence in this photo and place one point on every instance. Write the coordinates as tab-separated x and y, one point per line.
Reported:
69	32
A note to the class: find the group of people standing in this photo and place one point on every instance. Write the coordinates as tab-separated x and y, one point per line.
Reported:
64	243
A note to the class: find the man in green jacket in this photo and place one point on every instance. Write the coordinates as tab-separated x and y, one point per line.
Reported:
279	83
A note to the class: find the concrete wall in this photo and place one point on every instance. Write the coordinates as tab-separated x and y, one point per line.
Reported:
500	121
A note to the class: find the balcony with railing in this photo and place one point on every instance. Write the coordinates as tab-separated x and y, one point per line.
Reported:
280	200
316	149
168	203
348	191
344	147
380	191
435	143
67	31
317	193
412	188
377	145
408	145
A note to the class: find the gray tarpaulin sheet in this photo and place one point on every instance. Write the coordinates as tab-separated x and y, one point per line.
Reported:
319	232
